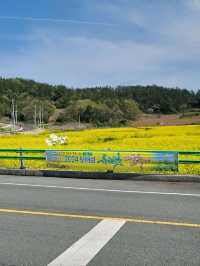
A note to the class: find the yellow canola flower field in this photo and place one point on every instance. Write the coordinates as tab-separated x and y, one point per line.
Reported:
172	138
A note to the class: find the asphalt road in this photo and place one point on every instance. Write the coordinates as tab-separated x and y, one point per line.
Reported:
72	222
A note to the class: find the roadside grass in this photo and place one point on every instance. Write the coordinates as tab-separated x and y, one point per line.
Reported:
146	138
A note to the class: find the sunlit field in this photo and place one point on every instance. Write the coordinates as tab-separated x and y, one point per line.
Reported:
180	138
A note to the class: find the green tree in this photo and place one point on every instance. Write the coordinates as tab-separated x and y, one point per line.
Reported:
129	109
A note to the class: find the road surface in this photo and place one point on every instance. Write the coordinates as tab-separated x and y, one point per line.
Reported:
72	222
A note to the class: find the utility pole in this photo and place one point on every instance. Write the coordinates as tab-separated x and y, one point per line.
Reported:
79	119
13	115
16	115
39	116
42	116
35	116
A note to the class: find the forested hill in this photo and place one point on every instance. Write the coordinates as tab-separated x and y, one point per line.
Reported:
100	103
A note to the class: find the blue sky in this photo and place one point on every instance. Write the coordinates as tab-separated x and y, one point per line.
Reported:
82	43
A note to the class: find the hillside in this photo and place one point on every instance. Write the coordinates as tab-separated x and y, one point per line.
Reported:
100	106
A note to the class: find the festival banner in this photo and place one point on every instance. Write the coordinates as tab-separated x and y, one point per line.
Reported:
118	161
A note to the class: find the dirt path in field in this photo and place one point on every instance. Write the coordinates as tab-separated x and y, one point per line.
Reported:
165	120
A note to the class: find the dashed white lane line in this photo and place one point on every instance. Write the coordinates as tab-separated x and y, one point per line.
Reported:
103	190
86	248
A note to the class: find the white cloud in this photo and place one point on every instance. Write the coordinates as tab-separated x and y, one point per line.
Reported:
166	59
193	4
122	13
183	38
83	61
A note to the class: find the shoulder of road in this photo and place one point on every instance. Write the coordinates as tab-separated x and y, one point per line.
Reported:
102	175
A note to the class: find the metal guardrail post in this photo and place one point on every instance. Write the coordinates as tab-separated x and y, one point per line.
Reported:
22	166
178	162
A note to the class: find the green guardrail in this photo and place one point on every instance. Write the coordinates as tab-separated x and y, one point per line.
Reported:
22	155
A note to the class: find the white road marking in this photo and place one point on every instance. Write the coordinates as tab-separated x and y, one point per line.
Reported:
104	190
86	248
